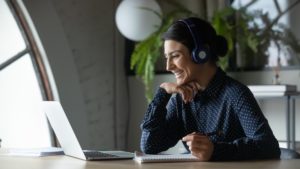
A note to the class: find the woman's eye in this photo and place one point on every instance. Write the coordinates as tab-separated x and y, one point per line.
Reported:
175	56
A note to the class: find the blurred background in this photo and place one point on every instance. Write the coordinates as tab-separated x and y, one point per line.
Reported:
74	52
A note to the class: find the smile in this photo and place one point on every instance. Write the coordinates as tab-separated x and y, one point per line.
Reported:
178	74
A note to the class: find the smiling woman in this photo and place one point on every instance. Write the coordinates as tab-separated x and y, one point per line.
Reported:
186	48
204	100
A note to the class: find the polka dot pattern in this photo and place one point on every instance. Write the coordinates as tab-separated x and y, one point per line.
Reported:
226	106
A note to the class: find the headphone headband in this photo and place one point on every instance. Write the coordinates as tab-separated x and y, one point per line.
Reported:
199	53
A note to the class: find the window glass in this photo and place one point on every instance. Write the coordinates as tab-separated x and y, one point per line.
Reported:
11	40
266	6
22	123
269	7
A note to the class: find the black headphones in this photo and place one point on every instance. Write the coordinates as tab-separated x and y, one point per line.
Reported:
200	53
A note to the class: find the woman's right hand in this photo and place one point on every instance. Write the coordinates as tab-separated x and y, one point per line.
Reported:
187	91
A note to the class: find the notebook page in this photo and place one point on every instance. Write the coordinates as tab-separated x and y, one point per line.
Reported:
149	158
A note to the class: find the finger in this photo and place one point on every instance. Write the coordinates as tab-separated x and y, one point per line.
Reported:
162	85
199	155
201	150
195	145
196	154
189	137
181	92
196	149
170	87
194	86
193	133
189	134
201	143
189	85
185	93
188	92
177	89
189	88
188	143
195	136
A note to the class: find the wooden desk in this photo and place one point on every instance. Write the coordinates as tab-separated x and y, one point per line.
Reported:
65	162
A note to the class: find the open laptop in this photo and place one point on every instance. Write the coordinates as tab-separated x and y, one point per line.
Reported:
68	140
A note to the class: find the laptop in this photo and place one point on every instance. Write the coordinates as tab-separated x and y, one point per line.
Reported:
68	140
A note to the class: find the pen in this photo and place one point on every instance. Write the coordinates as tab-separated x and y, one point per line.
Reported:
217	133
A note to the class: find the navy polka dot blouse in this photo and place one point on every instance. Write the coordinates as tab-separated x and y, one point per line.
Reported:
225	106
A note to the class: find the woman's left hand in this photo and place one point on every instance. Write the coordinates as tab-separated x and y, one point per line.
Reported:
187	91
199	145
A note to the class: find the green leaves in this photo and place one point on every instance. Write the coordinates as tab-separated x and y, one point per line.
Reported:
249	35
146	52
145	55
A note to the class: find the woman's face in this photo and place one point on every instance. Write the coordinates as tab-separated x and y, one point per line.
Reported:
179	62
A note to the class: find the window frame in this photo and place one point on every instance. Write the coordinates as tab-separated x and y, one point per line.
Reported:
33	51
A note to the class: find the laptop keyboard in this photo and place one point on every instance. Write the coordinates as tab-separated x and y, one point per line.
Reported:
97	154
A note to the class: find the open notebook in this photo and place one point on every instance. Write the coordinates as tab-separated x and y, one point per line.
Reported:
149	158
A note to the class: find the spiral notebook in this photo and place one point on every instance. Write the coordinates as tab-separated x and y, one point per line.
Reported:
149	158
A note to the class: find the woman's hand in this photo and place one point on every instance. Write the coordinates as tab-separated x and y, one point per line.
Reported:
199	145
187	91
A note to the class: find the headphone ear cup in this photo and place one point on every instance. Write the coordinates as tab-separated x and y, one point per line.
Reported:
200	56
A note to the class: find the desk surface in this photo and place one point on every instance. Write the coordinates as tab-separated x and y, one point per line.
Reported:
65	162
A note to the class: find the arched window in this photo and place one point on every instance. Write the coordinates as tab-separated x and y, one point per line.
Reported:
23	83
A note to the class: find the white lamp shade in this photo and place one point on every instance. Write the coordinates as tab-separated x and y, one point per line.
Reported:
136	23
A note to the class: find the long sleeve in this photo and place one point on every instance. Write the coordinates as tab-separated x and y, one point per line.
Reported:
225	105
258	142
161	126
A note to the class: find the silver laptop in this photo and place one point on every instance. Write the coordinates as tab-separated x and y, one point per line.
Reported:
67	138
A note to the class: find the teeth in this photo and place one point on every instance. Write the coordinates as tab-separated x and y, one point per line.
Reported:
177	74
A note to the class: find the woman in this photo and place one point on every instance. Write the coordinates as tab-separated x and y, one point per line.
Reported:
215	116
